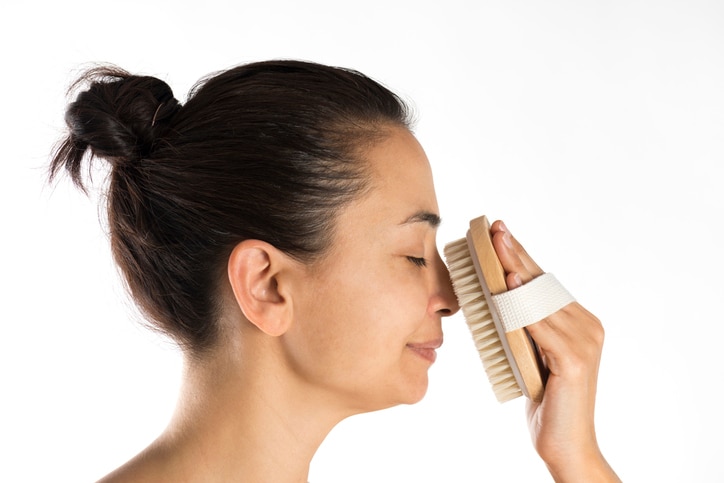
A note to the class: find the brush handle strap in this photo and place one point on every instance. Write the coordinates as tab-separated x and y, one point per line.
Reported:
531	303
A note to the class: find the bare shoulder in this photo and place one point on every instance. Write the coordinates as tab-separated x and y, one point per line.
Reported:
150	465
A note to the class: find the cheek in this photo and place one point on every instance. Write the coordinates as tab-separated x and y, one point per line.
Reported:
409	289
338	314
395	308
352	334
371	313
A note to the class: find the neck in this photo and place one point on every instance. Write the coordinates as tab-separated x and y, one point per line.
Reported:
242	419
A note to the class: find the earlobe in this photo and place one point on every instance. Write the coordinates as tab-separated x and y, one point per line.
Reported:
254	270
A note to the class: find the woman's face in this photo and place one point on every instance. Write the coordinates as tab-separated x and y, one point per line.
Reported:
369	318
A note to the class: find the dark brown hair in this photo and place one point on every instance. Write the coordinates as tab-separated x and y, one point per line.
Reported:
269	151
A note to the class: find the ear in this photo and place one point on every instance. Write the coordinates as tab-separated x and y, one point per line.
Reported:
255	270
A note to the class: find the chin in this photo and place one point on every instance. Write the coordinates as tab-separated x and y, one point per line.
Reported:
418	396
408	389
410	395
414	391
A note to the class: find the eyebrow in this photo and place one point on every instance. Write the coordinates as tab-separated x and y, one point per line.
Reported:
424	217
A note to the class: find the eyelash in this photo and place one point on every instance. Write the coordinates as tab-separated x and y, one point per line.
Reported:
419	262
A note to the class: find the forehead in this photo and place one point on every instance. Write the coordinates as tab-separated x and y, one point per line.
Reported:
400	173
399	201
400	194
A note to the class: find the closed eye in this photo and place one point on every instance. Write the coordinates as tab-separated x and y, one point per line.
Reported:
420	262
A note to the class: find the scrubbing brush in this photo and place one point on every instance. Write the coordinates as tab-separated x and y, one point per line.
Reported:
497	317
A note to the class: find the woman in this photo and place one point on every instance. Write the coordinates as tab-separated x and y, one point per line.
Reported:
280	226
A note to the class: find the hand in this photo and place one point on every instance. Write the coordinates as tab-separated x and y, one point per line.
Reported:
570	343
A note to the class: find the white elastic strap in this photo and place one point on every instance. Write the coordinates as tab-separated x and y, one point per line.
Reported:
532	302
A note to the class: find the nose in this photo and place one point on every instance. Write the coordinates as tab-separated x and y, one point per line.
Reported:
443	301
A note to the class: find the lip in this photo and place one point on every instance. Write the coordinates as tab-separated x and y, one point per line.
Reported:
426	350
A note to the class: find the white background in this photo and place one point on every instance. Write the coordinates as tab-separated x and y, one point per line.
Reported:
595	129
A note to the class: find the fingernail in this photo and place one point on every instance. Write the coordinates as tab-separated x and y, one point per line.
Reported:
506	239
503	227
516	280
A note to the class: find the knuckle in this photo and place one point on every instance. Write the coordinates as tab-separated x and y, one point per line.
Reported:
576	367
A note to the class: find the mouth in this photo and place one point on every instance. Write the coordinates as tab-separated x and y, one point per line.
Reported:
426	350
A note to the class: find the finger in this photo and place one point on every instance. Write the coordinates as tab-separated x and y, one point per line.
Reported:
513	280
512	254
572	340
503	243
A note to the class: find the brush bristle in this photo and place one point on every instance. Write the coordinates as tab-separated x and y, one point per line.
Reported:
477	314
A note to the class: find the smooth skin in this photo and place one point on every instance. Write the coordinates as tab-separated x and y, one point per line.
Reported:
304	346
570	341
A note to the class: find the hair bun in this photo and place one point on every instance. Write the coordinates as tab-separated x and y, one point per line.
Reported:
120	115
